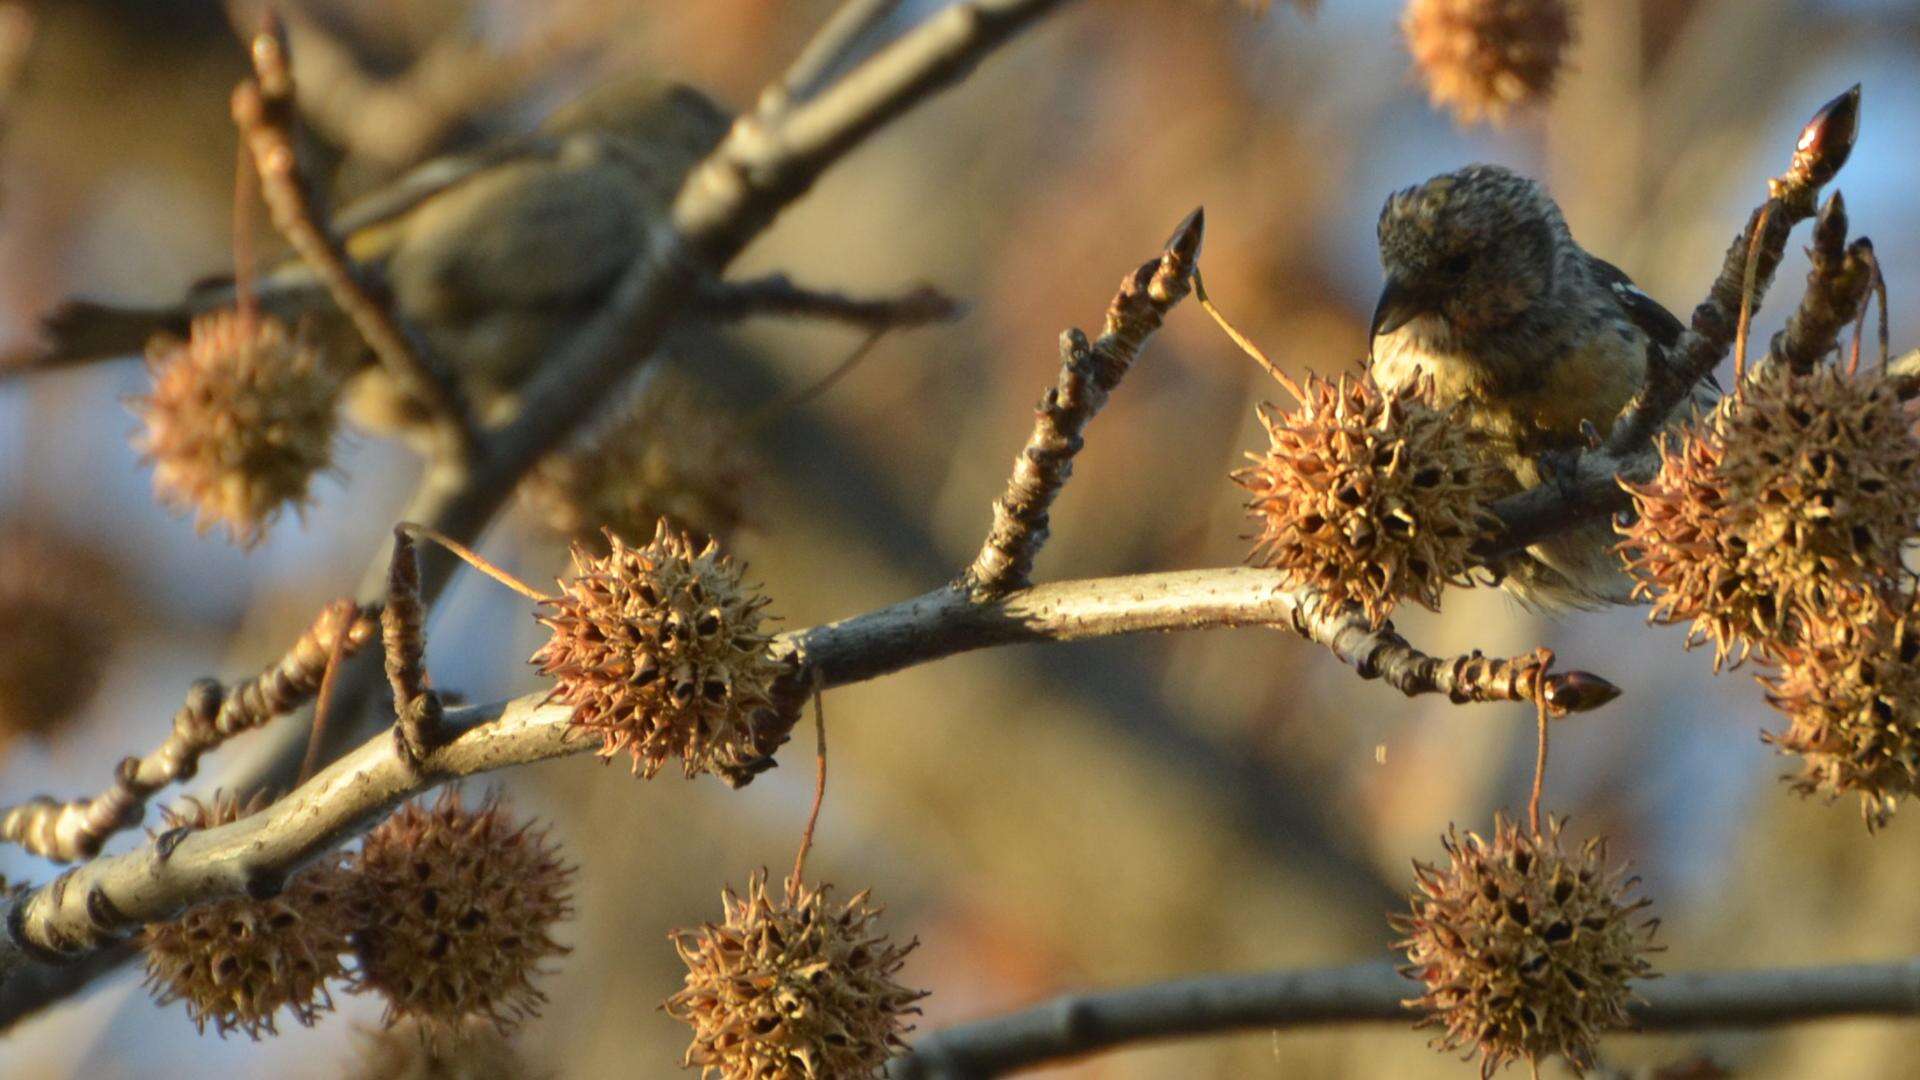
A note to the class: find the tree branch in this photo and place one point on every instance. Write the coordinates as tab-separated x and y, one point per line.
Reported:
88	907
263	110
1088	373
777	295
1078	1024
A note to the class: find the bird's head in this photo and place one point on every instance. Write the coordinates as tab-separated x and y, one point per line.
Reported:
1474	248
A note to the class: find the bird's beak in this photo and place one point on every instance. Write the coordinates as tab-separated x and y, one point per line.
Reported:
1399	304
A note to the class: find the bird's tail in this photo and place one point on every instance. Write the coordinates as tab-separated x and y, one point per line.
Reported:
86	331
82	331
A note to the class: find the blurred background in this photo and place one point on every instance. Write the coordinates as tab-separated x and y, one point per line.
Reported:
1042	819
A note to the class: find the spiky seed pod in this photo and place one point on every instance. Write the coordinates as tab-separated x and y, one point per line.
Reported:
1370	497
1484	59
237	962
658	650
476	1051
239	420
1785	507
1525	948
56	630
1851	694
673	455
792	986
453	911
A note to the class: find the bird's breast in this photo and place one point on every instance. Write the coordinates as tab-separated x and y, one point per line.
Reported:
1532	398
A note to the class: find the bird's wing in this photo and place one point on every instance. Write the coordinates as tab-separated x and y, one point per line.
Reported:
426	180
1647	313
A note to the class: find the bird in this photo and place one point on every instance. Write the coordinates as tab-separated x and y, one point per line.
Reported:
1490	303
491	256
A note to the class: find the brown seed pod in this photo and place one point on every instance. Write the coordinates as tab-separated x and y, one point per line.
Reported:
453	910
57	630
237	962
659	652
408	1051
1370	497
239	420
1525	948
1484	59
792	987
1785	507
1851	694
673	455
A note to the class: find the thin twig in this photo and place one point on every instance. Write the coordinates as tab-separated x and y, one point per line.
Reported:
1749	282
263	110
819	784
1823	147
776	295
1079	1024
1088	373
1837	285
66	831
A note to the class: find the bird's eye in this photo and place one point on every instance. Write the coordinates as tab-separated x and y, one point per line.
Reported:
1456	265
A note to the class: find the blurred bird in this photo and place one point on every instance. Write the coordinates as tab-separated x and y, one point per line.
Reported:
493	257
1488	295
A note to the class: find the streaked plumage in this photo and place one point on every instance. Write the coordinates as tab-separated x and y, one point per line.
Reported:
1489	295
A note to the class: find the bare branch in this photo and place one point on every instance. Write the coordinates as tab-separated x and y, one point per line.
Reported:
86	908
777	295
1079	1024
66	831
263	109
1823	148
1837	287
831	50
1088	373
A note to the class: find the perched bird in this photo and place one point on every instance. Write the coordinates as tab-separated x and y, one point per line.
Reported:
492	257
1488	295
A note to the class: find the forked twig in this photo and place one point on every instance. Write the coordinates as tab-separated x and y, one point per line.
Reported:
264	112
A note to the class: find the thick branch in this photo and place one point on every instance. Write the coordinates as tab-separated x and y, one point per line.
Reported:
1088	373
1079	1024
89	906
